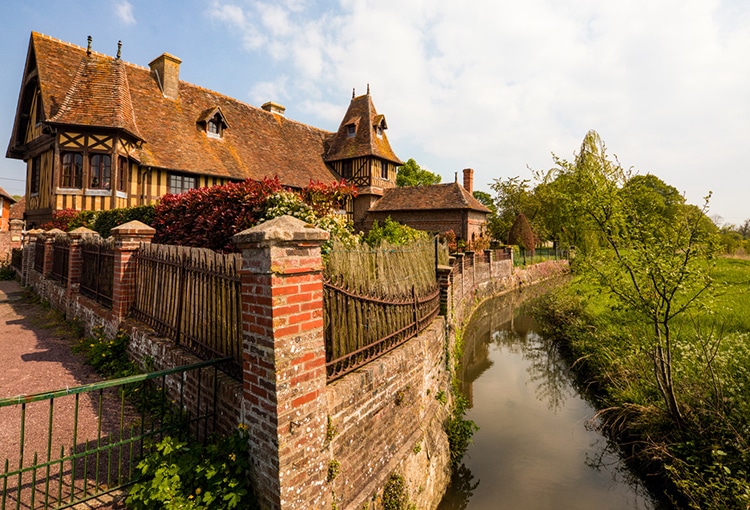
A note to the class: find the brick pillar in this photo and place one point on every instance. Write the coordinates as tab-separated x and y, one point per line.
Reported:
75	258
128	238
444	280
49	241
16	234
284	375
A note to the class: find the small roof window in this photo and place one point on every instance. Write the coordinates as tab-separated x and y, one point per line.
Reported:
213	122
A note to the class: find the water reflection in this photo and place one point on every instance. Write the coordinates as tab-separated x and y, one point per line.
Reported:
533	449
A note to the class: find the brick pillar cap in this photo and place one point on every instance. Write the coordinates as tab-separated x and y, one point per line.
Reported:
16	222
54	233
283	228
134	227
444	269
82	232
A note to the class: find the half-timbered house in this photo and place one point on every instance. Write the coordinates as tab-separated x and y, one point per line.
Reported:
99	133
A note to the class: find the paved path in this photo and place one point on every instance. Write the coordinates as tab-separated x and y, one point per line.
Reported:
36	356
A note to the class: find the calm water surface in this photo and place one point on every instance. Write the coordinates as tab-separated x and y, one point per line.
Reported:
535	448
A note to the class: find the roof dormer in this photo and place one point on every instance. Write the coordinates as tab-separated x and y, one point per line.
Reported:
213	122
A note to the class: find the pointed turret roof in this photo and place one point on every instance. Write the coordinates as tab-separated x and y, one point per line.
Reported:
99	96
361	133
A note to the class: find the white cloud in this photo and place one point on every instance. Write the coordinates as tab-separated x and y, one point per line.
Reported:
497	85
124	11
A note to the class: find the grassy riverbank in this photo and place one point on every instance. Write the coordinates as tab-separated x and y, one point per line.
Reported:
703	461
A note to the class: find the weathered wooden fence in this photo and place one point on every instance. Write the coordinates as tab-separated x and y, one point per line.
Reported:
191	296
375	300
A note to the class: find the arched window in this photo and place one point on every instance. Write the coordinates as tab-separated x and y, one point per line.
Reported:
72	170
100	171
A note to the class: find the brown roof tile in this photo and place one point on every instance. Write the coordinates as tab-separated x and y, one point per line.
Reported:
256	144
434	197
17	209
366	141
5	194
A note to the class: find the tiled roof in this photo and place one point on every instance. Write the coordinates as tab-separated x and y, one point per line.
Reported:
101	91
436	196
366	141
17	209
5	194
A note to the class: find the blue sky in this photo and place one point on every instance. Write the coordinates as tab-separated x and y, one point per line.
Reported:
495	85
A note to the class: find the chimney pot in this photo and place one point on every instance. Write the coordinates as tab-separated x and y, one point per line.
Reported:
469	179
166	67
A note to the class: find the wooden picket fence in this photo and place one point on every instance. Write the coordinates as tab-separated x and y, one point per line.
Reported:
191	296
377	299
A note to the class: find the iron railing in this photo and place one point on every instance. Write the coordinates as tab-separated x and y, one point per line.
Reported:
361	328
60	258
39	255
69	466
98	270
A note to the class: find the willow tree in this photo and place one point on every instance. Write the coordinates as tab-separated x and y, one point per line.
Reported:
653	251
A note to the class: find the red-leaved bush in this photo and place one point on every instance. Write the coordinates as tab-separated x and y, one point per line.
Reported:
209	217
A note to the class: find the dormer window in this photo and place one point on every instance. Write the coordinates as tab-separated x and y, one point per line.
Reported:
379	131
214	127
213	122
350	130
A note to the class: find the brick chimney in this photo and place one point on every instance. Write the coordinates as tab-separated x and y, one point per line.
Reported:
166	70
469	179
272	107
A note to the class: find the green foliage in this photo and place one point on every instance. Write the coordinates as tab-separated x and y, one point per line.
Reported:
521	234
108	357
396	494
393	233
105	221
411	174
485	199
181	475
703	463
7	272
334	468
459	430
513	196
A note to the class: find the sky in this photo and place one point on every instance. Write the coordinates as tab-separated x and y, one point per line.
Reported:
494	85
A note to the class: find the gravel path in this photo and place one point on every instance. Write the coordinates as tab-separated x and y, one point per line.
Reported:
36	356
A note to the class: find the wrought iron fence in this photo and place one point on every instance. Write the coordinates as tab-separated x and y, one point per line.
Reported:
39	255
76	444
192	296
16	258
360	328
60	258
97	269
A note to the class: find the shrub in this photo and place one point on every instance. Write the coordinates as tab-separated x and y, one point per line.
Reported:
181	475
394	233
61	220
104	221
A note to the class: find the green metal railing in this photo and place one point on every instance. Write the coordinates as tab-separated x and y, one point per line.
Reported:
128	413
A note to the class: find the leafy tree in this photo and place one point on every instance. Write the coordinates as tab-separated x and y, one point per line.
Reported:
513	196
655	255
485	199
411	174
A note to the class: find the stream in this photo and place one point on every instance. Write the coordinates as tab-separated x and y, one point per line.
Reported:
536	447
